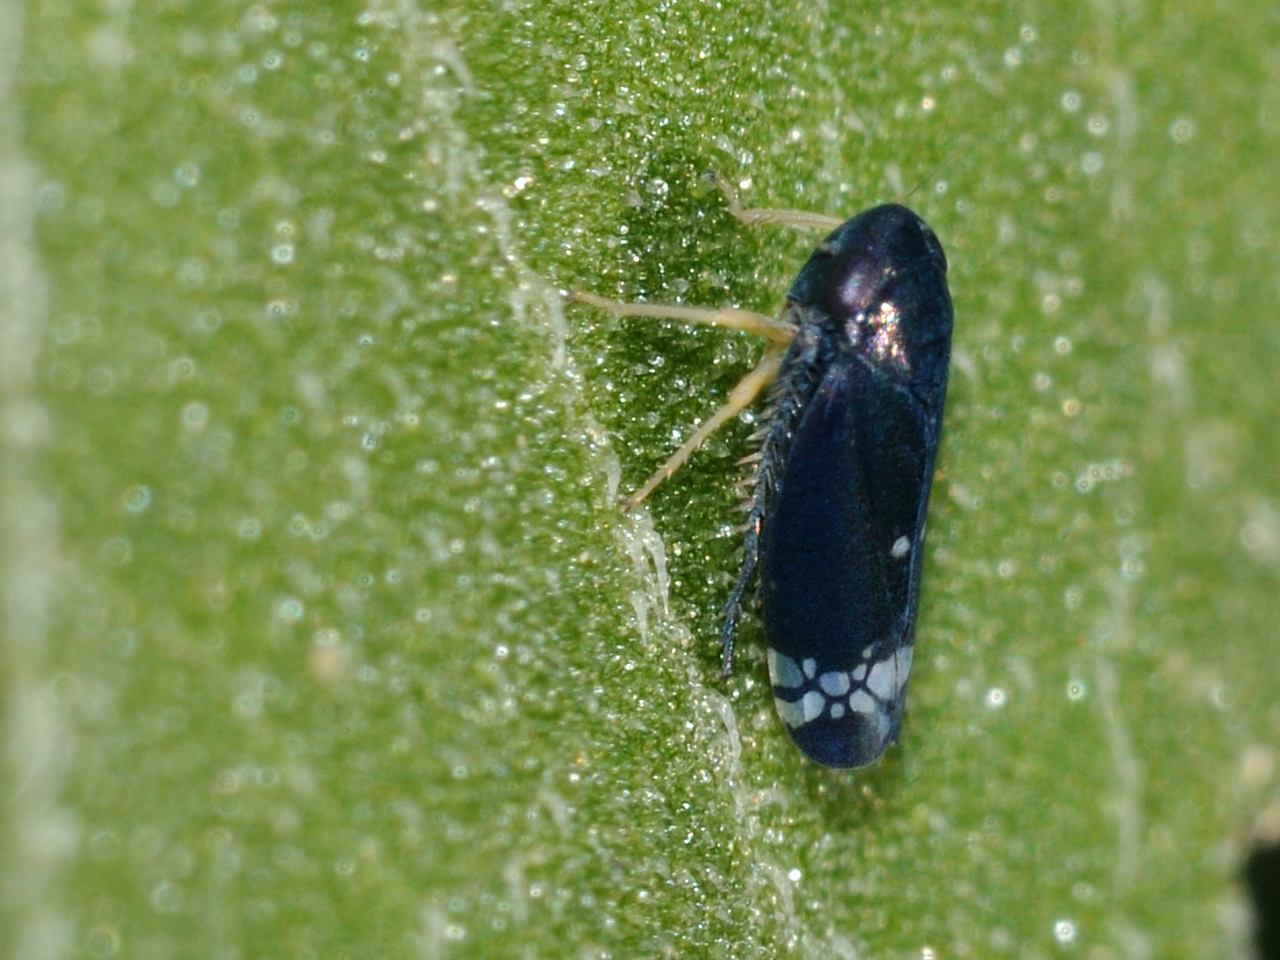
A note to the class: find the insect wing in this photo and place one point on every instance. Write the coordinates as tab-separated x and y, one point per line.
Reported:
840	563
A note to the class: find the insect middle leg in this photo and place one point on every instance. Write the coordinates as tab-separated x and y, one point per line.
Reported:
734	319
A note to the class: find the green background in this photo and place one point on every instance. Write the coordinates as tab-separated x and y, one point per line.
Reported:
323	636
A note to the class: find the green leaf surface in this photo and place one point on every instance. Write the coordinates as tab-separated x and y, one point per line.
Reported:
324	636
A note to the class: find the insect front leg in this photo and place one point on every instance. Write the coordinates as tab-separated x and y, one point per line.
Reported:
751	216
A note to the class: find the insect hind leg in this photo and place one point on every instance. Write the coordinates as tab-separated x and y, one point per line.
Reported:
751	554
740	397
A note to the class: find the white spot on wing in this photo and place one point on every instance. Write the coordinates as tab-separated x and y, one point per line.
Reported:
901	547
784	671
881	679
902	660
837	711
835	683
810	667
882	725
859	673
813	703
791	712
860	702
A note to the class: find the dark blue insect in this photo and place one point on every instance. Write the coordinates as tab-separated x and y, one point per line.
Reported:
836	519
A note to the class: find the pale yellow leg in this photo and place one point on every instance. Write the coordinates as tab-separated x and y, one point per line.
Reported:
797	219
746	320
779	333
740	397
